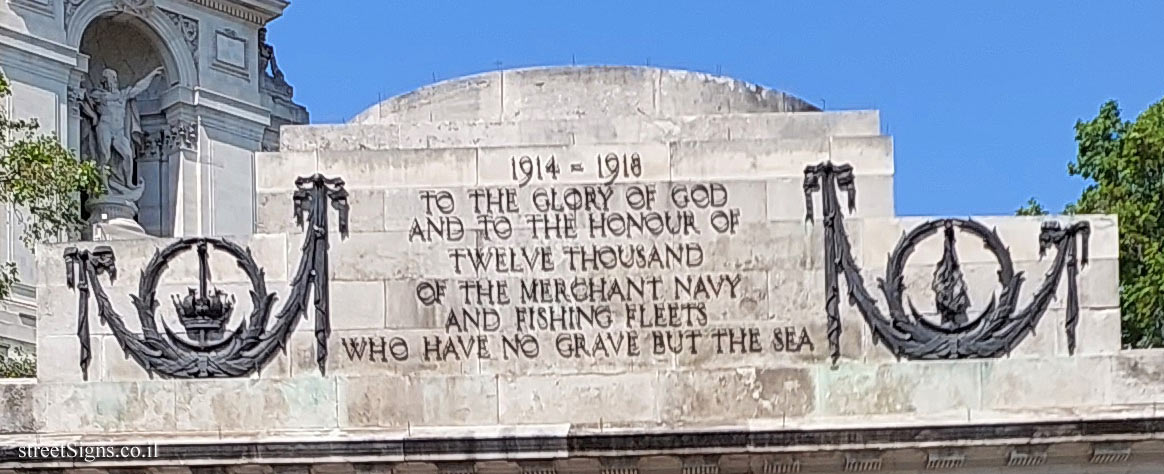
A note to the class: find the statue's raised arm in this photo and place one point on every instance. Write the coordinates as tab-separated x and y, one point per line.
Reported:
143	84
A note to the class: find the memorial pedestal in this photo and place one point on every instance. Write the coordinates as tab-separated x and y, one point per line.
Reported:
112	218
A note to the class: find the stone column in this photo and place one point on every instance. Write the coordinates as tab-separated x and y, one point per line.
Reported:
187	179
71	136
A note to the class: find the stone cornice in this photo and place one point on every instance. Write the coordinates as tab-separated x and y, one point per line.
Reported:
1007	441
227	105
259	12
38	46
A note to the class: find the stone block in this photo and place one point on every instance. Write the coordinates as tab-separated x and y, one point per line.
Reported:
57	312
907	388
747	200
1105	242
1099	286
588	350
383	352
274	213
277	172
659	465
357	305
375	467
251	469
789	246
482	133
267	251
59	359
366	212
401	168
338	137
541	93
723	397
388	401
747	159
743	297
621	129
268	405
1137	376
1048	340
868	155
303	352
770	125
575	465
457	400
786	198
607	130
497	467
684	93
1098	332
691	93
404	310
797	301
65	408
415	468
108	407
1046	382
606	400
576	164
333	468
734	463
18	408
404	207
369	256
467	98
50	264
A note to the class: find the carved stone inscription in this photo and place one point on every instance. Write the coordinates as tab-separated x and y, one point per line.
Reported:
581	271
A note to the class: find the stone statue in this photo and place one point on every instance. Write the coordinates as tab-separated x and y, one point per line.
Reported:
113	129
267	56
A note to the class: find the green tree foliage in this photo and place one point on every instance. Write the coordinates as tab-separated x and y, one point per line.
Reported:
22	366
1123	163
42	181
1032	208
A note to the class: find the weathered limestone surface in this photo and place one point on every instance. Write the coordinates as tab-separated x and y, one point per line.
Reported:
479	292
580	92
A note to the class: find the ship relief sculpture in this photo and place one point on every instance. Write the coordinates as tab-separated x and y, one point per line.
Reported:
207	345
997	328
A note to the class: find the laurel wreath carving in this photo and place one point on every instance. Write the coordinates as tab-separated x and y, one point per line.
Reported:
252	344
1001	325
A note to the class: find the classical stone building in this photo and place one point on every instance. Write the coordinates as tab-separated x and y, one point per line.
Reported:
613	270
194	126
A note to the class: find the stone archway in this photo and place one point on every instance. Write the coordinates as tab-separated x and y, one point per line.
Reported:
133	44
125	56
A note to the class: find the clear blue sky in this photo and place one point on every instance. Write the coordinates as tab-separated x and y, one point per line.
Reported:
980	97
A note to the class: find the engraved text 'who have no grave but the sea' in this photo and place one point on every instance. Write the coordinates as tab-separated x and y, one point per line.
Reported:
615	270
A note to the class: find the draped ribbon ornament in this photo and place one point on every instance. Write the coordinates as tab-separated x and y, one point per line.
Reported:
1000	326
207	349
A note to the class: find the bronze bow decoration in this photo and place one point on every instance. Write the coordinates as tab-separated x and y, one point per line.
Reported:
999	328
208	349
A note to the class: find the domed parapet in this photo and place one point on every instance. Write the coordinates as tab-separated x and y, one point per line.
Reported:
571	92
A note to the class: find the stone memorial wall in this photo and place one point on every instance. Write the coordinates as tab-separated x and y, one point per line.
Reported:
585	274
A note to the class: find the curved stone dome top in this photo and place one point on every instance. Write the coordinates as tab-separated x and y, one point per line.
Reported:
568	92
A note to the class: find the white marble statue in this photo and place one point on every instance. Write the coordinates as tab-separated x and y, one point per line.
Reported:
112	129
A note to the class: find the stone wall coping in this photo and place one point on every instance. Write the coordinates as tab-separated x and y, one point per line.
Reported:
970	419
643	442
